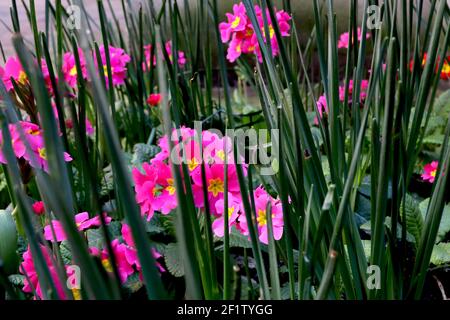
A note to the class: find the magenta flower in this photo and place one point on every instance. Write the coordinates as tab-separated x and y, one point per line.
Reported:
262	198
344	39
13	69
180	54
322	107
234	205
215	185
89	128
168	48
82	221
154	187
17	144
186	134
38	208
155	190
118	59
430	171
362	94
69	68
124	267
33	134
131	253
46	75
154	99
31	282
239	33
235	48
237	21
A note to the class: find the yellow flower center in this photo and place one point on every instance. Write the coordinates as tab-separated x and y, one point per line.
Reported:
105	70
262	219
192	164
446	67
33	132
235	22
73	71
170	188
42	153
22	77
238	48
107	265
215	186
271	32
221	154
230	212
433	173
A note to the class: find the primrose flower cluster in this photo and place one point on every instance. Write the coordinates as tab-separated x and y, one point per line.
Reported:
123	248
345	39
149	52
322	105
239	32
118	61
445	72
26	135
156	190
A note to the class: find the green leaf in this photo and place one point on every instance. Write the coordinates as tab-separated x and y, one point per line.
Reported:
133	283
17	279
173	260
436	138
317	135
66	253
114	229
143	153
414	219
154	226
444	226
388	222
367	248
238	240
8	242
285	293
95	238
440	254
442	104
362	209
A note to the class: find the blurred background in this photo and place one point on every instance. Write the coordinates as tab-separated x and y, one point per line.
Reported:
302	10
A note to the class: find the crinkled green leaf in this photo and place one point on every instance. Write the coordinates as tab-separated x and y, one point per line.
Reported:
95	238
17	279
133	283
173	260
143	153
444	226
440	254
414	219
66	253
